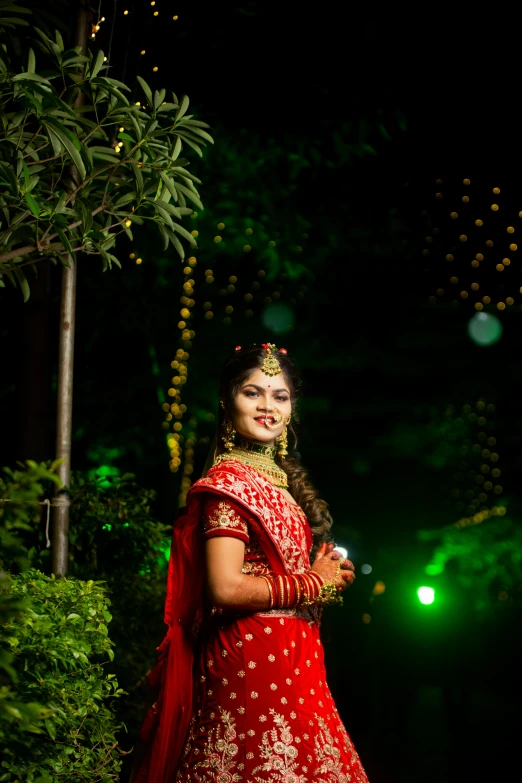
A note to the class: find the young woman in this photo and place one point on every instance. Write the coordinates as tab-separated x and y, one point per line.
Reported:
242	685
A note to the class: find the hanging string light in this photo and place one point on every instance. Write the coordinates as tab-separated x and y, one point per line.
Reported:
477	466
488	254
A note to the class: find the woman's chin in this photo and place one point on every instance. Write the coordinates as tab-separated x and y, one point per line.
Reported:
262	434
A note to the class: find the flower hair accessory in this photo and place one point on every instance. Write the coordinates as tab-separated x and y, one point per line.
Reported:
271	364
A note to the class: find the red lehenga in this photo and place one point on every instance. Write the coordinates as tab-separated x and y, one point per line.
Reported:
243	697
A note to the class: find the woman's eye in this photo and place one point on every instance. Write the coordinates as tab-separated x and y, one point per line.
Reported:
250	393
282	399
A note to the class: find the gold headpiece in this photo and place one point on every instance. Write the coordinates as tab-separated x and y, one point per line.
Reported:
271	364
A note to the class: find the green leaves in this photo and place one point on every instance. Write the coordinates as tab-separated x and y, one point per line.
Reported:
72	177
33	204
98	64
58	649
22	282
183	108
146	89
69	140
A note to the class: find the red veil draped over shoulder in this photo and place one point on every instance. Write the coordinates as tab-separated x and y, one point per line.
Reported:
165	728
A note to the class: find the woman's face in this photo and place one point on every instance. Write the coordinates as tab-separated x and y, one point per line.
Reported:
257	399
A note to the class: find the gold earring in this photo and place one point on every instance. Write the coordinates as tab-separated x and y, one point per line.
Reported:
282	444
229	435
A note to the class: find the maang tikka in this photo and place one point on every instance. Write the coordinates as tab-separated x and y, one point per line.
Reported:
270	364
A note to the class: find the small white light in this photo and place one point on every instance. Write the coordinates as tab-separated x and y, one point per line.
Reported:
342	551
366	569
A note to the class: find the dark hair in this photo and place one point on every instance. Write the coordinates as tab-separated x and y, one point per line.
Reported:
237	368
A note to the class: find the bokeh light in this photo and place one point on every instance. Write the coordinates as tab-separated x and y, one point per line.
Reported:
426	595
279	318
484	329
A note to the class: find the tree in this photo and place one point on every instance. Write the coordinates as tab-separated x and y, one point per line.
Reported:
126	155
68	188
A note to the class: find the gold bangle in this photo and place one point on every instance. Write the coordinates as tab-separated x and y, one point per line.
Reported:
281	593
287	591
270	590
286	580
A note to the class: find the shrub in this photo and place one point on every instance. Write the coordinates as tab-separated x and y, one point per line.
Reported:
59	653
20	497
114	537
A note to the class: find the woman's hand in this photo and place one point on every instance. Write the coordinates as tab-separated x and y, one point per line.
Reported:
326	564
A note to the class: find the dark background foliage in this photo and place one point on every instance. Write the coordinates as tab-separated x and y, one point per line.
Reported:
335	123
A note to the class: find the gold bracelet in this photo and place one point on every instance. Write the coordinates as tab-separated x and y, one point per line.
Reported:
329	595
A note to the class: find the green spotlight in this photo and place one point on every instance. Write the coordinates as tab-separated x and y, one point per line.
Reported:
426	595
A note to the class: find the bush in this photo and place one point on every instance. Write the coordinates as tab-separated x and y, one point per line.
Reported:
20	510
114	537
21	492
59	653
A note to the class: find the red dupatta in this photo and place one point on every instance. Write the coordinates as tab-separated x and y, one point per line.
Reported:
165	728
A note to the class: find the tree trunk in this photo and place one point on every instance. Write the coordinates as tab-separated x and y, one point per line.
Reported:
61	501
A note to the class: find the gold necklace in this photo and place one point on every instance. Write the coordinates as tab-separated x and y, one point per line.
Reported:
258	456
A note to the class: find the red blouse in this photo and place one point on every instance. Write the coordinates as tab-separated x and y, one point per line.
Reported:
227	518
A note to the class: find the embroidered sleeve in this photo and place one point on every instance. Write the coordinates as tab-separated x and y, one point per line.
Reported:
220	518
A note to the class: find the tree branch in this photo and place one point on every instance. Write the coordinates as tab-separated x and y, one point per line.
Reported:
32	261
26	249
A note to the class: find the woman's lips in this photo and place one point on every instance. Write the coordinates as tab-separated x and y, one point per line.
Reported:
262	420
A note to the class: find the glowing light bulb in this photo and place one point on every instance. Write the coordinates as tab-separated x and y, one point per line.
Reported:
426	595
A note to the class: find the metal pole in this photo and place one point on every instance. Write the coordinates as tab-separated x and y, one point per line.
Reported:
61	501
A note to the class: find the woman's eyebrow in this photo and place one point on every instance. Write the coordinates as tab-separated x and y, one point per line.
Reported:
260	388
